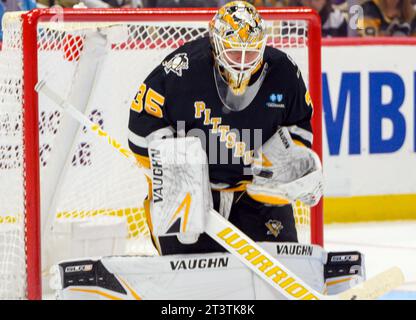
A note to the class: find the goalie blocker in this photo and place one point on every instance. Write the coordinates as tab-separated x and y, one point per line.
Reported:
181	194
214	276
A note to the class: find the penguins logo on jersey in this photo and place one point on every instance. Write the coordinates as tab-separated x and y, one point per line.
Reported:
274	227
178	63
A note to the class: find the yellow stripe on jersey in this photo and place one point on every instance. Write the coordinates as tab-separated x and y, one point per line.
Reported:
240	186
269	200
308	99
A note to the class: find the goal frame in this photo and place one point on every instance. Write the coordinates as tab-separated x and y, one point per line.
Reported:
30	21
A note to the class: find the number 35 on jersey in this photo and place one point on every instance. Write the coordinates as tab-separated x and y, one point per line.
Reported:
148	100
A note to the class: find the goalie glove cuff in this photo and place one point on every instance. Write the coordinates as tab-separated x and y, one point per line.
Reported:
307	189
284	172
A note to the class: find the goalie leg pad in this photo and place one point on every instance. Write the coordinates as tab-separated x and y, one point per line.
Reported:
181	189
214	276
306	261
344	270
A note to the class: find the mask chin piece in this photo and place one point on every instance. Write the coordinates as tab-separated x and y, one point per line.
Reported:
238	91
239	97
237	84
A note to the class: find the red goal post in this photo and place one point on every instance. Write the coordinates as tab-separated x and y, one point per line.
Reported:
30	47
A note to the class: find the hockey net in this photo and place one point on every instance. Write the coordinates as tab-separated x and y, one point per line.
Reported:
89	197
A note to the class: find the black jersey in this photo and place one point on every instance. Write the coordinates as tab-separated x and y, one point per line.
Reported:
376	22
180	95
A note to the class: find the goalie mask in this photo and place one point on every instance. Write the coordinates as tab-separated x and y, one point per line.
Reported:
238	38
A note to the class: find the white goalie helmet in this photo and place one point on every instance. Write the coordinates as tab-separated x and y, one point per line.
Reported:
238	38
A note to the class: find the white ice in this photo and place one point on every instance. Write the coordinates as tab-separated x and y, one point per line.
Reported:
384	244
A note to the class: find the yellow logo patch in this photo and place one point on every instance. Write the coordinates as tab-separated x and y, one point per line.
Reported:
274	227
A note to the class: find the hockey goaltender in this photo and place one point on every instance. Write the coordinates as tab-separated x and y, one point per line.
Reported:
222	124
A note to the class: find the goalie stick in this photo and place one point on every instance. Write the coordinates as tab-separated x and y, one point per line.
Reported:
284	280
248	252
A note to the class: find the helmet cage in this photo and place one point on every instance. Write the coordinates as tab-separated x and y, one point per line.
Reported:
238	72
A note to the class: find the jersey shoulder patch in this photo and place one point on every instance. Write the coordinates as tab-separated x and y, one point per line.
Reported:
193	53
176	64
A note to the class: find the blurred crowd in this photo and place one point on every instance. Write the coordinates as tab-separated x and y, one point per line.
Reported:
340	18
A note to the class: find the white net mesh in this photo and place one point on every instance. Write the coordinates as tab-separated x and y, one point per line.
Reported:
12	218
91	197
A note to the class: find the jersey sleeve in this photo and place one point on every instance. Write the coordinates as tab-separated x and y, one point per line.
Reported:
147	118
299	110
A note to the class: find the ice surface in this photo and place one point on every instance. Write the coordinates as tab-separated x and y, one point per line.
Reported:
384	244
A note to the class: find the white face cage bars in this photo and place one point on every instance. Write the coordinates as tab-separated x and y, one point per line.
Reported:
239	59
